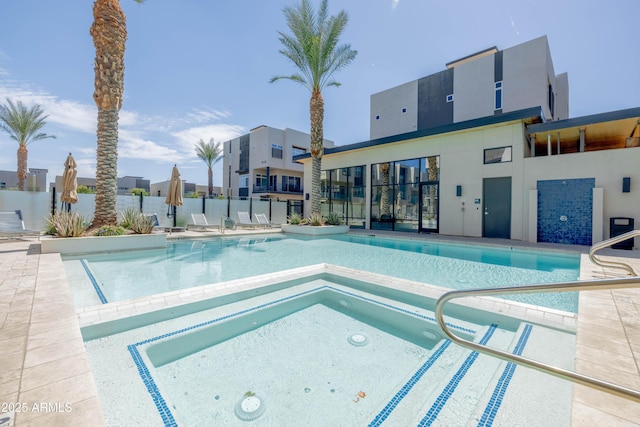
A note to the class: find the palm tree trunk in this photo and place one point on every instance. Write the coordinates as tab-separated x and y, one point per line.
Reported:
316	109
210	181
109	34
22	166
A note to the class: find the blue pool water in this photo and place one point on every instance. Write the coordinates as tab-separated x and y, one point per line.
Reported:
188	263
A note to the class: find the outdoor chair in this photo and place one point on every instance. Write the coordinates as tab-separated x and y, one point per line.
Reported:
200	222
244	220
263	220
12	226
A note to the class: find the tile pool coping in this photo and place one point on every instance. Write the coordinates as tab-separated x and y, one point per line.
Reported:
44	361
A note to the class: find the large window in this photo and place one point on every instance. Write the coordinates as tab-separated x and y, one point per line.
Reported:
342	191
497	155
276	151
297	151
291	184
396	192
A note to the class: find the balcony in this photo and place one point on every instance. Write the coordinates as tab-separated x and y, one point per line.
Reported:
277	189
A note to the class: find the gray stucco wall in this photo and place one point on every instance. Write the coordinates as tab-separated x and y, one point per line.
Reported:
433	108
387	116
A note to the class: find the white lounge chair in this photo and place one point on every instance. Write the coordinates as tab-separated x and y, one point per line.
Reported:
200	222
244	220
12	226
263	220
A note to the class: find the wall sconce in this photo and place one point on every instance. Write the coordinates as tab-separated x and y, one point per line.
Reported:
626	184
306	196
458	190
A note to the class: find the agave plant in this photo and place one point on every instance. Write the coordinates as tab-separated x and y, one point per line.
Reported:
316	219
142	224
295	219
333	218
67	224
128	217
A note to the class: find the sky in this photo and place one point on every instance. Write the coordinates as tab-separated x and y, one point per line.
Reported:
200	69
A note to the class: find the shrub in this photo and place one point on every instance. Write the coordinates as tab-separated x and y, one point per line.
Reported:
128	216
142	224
67	224
110	230
333	218
295	219
316	219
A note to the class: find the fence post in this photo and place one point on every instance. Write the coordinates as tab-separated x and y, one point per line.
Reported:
203	202
53	201
141	199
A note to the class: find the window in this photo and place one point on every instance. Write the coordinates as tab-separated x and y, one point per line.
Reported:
276	151
497	155
243	181
551	100
498	104
378	117
450	98
404	110
291	183
297	151
261	180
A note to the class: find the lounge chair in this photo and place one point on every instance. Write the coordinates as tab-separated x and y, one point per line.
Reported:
12	226
244	220
263	220
200	222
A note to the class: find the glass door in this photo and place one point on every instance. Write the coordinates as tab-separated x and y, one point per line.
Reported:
429	207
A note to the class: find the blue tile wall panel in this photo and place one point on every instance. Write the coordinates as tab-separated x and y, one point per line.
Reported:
565	210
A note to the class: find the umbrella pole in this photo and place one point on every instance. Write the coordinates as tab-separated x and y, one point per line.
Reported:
174	216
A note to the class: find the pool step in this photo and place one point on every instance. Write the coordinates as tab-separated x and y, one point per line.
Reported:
465	374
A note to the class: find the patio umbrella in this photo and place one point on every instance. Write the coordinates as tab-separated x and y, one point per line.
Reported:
69	183
174	195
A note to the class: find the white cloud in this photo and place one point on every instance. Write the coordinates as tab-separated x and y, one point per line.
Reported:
221	132
394	3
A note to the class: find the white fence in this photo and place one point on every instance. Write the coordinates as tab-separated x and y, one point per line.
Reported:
36	207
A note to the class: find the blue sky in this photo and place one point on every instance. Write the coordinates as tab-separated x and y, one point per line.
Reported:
200	69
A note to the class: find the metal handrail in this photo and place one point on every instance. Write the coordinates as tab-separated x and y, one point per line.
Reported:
609	242
542	367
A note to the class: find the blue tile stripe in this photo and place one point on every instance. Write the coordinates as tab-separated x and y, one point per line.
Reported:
406	388
164	410
501	388
446	393
161	405
103	299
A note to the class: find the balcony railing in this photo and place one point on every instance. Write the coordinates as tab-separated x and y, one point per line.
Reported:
276	189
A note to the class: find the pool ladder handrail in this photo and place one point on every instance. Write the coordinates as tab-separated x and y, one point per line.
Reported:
610	242
585	380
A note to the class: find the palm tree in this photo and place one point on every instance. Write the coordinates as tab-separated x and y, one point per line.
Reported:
313	48
109	33
211	153
23	124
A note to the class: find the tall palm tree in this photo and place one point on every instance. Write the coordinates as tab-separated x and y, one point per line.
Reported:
23	124
109	33
314	50
211	153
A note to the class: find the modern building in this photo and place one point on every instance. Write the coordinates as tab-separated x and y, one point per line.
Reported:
36	180
260	164
487	83
125	184
514	173
160	189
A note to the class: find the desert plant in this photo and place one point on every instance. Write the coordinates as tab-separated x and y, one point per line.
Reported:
67	224
128	216
142	224
110	230
316	219
332	218
295	219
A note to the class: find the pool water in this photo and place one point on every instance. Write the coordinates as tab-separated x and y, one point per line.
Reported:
183	264
322	353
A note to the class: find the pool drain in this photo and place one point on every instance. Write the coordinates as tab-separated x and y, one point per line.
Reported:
358	340
250	408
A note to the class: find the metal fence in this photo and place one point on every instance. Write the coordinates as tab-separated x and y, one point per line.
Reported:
36	207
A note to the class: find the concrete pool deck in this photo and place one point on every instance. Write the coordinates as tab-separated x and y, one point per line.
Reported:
46	380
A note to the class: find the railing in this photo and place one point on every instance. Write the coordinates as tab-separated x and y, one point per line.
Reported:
609	242
549	369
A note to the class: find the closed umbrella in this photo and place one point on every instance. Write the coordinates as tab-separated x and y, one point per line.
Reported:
174	195
69	183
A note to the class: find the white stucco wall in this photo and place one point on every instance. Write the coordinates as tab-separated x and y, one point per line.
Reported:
388	104
474	89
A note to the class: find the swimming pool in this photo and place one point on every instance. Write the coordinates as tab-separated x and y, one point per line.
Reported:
323	351
102	278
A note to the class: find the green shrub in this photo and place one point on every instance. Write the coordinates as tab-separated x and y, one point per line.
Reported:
295	219
67	224
128	216
110	230
142	224
316	219
333	218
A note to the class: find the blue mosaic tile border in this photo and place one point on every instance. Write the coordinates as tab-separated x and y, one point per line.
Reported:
446	393
495	401
94	282
161	404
